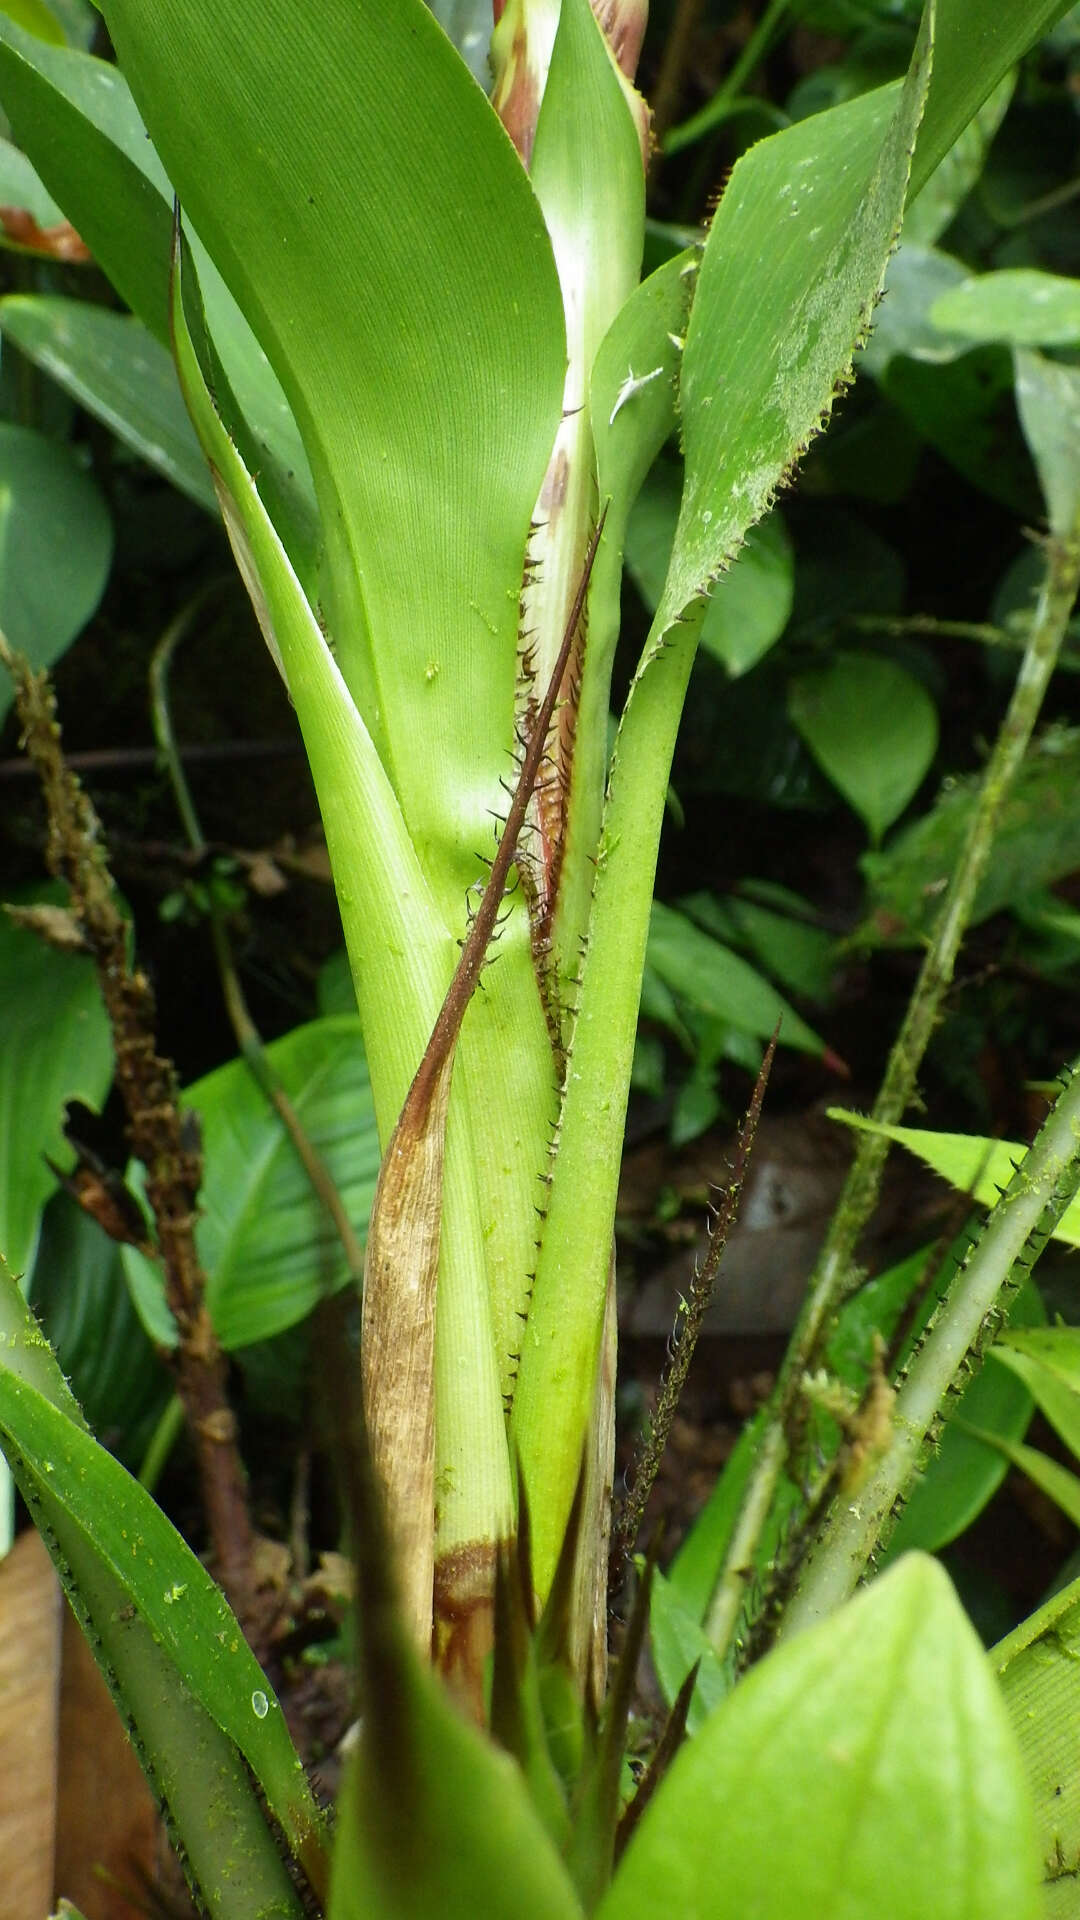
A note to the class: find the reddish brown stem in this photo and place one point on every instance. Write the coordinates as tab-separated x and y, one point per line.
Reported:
448	1025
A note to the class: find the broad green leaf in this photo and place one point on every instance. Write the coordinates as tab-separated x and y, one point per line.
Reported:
55	1046
867	1767
1048	402
981	1168
1021	307
201	1785
432	422
78	1291
778	928
114	367
817	210
976	45
265	1240
1037	842
468	1841
715	981
428	428
167	1636
55	547
751	606
1038	1667
75	117
872	729
403	957
1051	1478
386	906
1047	1360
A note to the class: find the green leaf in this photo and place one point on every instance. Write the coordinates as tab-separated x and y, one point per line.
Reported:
871	727
1038	1666
1037	842
75	117
777	927
866	1767
78	1291
717	982
49	586
456	374
433	1817
265	1240
975	47
1048	402
828	193
982	1168
115	368
166	1634
55	1046
1059	1485
469	1841
1021	306
1047	1360
751	606
403	957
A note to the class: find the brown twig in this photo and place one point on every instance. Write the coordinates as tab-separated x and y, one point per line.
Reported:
684	1341
143	759
158	1134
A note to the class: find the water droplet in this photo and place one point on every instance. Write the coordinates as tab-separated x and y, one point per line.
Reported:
260	1705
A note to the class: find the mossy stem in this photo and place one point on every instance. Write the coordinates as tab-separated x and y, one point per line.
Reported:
156	1129
1043	1185
831	1279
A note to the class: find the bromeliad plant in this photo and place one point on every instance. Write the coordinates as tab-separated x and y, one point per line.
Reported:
408	327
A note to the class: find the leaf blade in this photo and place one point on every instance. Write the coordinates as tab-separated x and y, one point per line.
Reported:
867	1767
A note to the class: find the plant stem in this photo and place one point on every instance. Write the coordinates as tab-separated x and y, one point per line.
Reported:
159	1135
831	1281
1042	1187
248	1037
668	90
